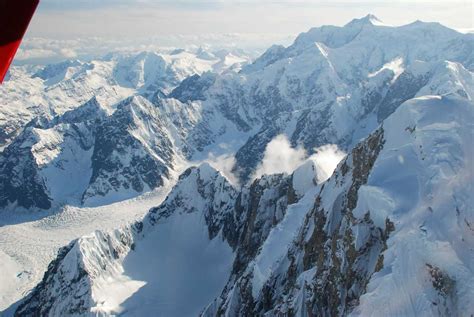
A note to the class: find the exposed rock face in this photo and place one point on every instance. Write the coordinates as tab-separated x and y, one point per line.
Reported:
342	267
325	246
342	254
132	151
53	290
67	287
119	156
262	206
193	87
19	179
205	191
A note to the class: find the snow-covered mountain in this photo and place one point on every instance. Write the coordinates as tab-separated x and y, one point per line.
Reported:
203	219
334	85
85	155
54	89
389	233
344	81
347	246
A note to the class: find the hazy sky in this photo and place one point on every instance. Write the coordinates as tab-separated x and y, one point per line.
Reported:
131	18
61	27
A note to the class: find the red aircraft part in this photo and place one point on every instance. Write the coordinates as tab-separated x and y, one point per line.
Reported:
15	15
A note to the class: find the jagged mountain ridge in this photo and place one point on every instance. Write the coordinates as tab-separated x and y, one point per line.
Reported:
54	89
338	86
203	206
371	240
122	155
331	251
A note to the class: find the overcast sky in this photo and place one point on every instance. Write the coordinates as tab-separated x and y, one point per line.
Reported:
248	23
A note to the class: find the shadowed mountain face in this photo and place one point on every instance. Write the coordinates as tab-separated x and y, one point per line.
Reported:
390	232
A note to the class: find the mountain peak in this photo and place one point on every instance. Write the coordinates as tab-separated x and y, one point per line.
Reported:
134	103
90	110
369	19
204	171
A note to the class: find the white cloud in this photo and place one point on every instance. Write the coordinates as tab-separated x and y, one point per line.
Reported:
49	50
280	157
34	53
326	159
224	164
68	53
39	50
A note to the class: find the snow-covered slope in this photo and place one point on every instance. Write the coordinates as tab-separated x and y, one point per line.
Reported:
390	233
133	152
186	244
405	190
85	156
333	85
157	261
54	89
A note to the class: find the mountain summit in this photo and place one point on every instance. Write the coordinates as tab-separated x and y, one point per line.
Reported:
369	19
